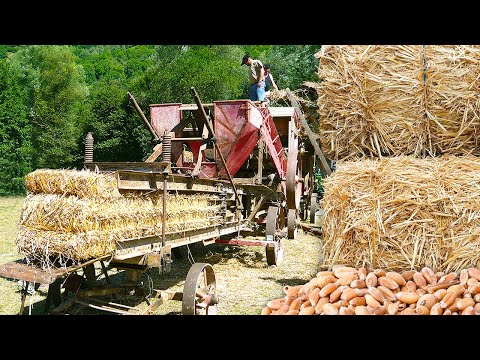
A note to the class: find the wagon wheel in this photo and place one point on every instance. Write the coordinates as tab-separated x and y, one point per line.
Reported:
293	187
275	220
313	207
292	228
199	291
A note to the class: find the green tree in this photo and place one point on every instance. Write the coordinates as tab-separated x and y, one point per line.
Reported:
113	124
292	65
15	131
214	71
111	72
57	92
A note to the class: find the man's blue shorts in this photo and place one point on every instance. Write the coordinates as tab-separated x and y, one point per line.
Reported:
257	93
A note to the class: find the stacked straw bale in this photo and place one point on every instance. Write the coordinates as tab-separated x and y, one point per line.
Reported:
370	101
453	98
380	100
403	213
79	215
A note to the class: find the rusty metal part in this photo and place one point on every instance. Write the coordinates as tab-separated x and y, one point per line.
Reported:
54	295
89	148
274	252
313	207
323	162
199	291
274	249
21	270
127	166
164	209
244	242
142	115
142	180
293	200
203	147
271	225
309	228
130	248
292	224
167	147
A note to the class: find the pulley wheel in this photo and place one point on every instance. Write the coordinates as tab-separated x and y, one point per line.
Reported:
199	291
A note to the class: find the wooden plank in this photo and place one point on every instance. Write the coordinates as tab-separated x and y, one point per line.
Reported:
256	208
157	151
324	167
20	270
103	308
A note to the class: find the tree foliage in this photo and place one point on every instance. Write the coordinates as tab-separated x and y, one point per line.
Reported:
15	131
56	94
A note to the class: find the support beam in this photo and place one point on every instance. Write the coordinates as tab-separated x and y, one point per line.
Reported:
142	115
157	151
324	167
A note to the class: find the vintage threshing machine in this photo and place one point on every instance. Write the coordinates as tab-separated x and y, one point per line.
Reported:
252	158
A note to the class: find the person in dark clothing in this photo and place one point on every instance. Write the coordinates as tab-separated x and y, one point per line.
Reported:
269	82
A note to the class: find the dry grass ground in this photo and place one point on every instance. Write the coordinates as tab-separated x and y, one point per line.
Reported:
244	280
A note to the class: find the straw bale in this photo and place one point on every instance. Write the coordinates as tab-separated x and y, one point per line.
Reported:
452	88
371	101
403	213
70	214
83	183
73	219
382	100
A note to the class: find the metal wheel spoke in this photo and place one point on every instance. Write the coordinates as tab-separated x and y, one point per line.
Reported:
199	296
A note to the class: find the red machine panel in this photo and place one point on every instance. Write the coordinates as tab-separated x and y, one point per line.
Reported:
237	123
164	117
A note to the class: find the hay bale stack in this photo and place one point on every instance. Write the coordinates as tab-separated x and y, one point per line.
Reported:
79	215
453	98
71	182
403	213
371	101
378	100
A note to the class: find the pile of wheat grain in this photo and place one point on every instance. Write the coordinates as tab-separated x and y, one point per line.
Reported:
390	100
75	216
374	291
403	213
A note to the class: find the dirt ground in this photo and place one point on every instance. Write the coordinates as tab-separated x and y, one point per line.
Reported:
244	281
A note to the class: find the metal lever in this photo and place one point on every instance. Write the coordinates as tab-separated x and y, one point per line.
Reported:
156	138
